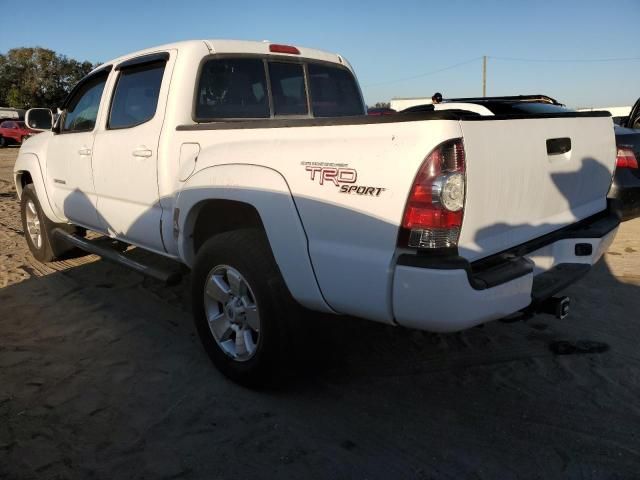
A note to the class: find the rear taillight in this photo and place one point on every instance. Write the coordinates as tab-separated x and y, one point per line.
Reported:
626	158
433	214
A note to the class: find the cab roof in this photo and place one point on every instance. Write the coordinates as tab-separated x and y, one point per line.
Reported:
233	46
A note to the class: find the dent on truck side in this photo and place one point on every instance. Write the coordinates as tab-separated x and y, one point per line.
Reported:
267	191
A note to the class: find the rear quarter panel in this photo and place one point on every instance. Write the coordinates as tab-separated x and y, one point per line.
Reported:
351	237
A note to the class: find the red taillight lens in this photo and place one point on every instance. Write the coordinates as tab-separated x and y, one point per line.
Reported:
275	48
626	158
433	214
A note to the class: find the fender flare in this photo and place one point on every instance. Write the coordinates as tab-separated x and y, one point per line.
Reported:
30	163
267	191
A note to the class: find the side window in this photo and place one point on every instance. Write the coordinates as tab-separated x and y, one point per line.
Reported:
232	88
288	89
82	109
136	96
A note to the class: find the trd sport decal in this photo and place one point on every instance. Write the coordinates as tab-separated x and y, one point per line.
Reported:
340	175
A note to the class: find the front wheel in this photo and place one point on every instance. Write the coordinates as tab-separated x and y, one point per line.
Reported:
244	314
38	229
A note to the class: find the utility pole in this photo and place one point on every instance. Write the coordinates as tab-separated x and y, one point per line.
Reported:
484	76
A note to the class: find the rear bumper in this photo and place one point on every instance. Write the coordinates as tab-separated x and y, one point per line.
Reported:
450	294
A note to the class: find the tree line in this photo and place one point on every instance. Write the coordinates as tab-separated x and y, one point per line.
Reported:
38	77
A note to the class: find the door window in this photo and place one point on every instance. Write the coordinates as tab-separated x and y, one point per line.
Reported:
81	111
136	96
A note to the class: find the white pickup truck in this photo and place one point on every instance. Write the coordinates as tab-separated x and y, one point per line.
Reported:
255	165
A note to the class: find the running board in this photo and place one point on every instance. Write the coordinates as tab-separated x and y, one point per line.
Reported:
168	277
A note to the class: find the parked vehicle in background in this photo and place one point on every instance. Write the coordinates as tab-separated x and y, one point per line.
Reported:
625	188
618	114
255	165
14	132
377	111
8	113
633	120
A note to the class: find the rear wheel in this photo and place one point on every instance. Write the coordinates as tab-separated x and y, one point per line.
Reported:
38	228
3	141
244	314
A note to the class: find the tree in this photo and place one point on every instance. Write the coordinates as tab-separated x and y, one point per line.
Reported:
38	77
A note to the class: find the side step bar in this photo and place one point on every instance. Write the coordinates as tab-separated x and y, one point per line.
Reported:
168	277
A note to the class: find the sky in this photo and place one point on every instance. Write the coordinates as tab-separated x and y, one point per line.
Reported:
570	50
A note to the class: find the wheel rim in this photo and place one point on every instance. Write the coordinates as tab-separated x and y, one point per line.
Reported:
33	224
232	313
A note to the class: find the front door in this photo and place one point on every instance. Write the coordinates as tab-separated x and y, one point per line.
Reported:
125	159
69	154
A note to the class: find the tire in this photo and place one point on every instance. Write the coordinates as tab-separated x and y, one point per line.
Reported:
34	221
3	141
246	254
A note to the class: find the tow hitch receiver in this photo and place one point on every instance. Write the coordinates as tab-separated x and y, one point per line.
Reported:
556	306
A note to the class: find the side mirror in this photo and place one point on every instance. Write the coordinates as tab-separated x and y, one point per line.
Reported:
39	119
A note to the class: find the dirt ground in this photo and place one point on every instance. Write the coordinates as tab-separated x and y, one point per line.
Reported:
102	376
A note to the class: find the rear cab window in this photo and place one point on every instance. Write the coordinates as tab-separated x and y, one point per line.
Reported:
259	87
288	88
334	92
232	88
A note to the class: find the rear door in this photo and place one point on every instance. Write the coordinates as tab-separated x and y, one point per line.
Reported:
126	151
528	177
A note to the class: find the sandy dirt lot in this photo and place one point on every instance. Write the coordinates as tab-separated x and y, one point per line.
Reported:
102	376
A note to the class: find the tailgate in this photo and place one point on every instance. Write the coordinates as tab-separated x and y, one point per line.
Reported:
520	186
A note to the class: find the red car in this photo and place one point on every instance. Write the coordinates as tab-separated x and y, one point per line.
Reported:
14	132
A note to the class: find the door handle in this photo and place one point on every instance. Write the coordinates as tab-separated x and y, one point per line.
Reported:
142	152
84	151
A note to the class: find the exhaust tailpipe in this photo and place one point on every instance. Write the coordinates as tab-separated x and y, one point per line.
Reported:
556	306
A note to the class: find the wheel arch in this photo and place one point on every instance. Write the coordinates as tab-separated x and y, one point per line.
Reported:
27	170
224	197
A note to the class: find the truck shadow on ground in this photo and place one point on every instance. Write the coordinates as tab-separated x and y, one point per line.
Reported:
102	372
103	376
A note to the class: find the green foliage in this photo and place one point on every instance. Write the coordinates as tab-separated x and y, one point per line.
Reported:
38	77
